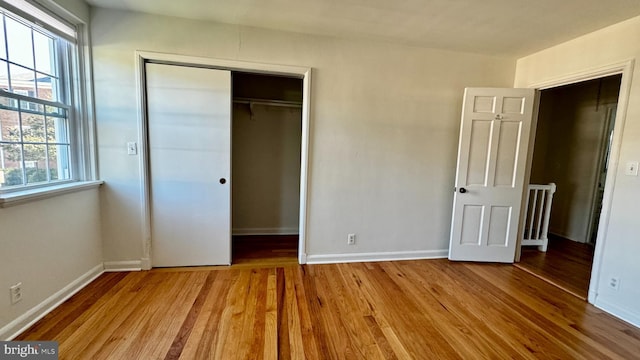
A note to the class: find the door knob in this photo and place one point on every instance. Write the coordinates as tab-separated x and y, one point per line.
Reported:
223	180
462	190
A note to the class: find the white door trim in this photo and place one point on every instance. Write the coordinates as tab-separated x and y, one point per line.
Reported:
625	68
142	57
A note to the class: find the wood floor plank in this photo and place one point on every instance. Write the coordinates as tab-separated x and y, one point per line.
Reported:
432	309
271	314
566	264
187	325
361	332
157	316
201	343
300	313
232	316
253	328
55	322
403	315
383	343
530	330
559	318
463	335
323	320
283	331
90	333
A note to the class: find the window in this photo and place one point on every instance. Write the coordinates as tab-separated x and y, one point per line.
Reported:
37	130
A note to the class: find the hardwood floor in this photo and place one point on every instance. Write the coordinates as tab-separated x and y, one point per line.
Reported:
566	264
264	250
430	309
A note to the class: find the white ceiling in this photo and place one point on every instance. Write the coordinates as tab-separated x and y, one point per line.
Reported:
499	27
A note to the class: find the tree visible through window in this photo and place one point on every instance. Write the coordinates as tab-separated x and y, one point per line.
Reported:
35	146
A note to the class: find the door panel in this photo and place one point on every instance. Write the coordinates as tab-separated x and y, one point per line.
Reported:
494	138
472	220
499	223
478	155
189	128
508	143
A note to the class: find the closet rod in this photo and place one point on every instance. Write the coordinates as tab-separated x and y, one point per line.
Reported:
282	103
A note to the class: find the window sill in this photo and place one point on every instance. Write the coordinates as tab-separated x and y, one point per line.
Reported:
21	197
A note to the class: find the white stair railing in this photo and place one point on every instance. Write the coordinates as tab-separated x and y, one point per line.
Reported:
538	205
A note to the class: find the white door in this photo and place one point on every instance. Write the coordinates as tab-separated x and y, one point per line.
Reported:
189	134
492	159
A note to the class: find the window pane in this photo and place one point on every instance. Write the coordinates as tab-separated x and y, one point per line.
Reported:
55	111
57	130
33	130
3	46
47	87
11	167
10	126
59	162
44	48
19	43
35	163
4	76
22	81
30	106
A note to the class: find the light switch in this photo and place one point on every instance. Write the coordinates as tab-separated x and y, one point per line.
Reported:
132	148
631	169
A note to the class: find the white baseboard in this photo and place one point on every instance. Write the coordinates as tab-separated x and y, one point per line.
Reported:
145	263
132	265
266	231
24	321
631	317
376	256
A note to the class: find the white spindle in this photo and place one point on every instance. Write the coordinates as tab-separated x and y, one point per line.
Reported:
540	214
540	211
533	211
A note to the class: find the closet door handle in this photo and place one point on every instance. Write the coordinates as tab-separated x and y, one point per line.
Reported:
223	181
462	190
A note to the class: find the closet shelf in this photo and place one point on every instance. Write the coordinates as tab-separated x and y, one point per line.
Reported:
282	103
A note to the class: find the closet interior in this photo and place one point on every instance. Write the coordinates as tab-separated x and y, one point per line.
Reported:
265	168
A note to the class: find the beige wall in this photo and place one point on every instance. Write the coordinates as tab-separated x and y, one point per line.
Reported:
46	245
620	244
77	8
266	169
570	133
383	133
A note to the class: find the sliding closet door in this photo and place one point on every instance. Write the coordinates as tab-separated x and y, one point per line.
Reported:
189	128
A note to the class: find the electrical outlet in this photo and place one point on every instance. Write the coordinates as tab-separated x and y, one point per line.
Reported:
16	293
351	239
614	283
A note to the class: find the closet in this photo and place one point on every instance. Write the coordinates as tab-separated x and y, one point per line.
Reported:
224	155
266	145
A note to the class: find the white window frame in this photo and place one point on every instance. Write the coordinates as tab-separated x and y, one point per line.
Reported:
77	97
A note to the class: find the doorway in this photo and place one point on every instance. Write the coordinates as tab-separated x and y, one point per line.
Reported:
266	154
572	149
